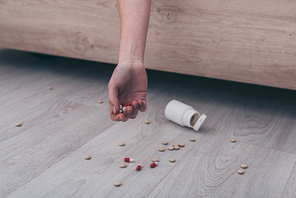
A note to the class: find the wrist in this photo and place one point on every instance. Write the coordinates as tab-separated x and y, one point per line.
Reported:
131	61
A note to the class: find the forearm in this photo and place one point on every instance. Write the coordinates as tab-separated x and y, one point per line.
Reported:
134	21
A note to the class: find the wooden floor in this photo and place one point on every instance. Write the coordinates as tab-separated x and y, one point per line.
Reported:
45	156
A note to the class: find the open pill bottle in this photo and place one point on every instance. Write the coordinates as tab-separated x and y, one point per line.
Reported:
184	115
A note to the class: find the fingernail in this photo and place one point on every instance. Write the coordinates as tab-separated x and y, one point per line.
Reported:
121	118
114	110
141	104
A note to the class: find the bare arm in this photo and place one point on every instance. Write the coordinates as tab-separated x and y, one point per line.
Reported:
134	20
129	80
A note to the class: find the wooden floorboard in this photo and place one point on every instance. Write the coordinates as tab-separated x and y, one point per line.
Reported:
44	157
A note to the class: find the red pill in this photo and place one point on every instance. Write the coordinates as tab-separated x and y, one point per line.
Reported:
139	167
112	112
128	159
153	164
129	104
125	105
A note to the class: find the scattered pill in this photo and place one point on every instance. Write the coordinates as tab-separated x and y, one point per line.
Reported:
155	160
232	140
100	101
175	144
161	149
176	147
117	183
172	160
139	167
181	145
18	124
121	143
147	122
87	157
244	166
240	171
122	165
153	164
128	159
192	139
49	88
165	142
171	148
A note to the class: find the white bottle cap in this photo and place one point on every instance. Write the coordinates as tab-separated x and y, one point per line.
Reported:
199	122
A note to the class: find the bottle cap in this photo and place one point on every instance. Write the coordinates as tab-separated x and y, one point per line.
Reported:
199	122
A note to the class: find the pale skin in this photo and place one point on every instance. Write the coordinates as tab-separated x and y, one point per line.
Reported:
129	79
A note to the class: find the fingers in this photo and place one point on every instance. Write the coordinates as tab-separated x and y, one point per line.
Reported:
116	117
113	100
130	112
135	106
142	105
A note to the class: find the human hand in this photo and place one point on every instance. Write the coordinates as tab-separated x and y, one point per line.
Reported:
127	84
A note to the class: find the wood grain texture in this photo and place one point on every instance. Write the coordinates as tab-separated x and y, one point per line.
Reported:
251	42
45	156
267	120
209	170
290	190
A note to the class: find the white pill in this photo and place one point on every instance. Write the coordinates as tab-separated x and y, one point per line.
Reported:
87	157
171	148
122	165
161	149
192	139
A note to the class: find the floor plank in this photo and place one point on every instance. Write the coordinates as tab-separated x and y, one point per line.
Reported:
267	119
46	139
290	190
209	170
44	157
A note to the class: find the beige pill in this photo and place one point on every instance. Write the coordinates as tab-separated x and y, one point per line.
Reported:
240	171
147	122
122	165
192	139
232	140
181	145
172	160
165	142
244	166
155	160
87	157
100	101
121	143
49	88
171	148
117	183
176	147
161	149
18	124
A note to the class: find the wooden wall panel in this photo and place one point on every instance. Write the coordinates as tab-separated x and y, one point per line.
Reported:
246	41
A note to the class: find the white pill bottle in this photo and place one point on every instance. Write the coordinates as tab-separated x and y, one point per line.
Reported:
184	115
